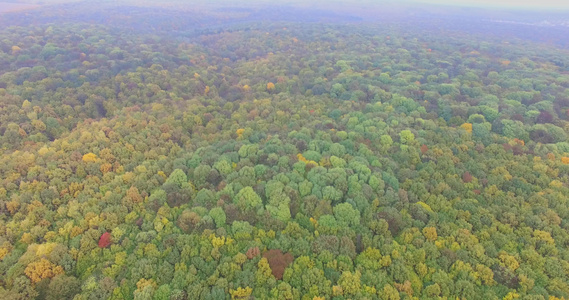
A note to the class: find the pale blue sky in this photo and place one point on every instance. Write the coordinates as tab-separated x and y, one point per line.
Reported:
504	3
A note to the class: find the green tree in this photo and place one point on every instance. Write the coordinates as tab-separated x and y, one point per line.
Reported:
247	199
218	216
346	215
406	137
177	177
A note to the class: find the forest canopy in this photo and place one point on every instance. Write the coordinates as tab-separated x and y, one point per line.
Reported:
279	160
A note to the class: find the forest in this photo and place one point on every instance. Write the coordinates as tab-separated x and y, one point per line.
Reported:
221	157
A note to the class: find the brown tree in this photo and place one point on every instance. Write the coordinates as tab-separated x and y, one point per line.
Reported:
253	252
278	261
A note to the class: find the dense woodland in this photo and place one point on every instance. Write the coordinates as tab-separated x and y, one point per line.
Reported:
282	161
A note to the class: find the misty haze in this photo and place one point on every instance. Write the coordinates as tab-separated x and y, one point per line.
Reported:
177	150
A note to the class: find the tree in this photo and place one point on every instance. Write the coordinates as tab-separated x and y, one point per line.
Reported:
424	149
263	271
406	137
177	177
42	269
467	127
433	290
162	293
350	283
223	166
218	216
16	50
247	199
205	198
278	261
188	220
270	86
430	233
514	129
466	177
89	157
346	215
105	240
241	293
253	252
386	141
134	195
390	293
63	287
281	211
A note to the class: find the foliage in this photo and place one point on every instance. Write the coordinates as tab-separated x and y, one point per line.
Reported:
282	161
105	240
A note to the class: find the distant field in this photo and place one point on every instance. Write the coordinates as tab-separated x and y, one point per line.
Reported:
11	7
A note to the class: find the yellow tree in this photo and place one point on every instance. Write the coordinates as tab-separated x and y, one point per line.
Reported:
241	293
89	157
430	233
42	269
264	271
350	283
270	86
467	127
16	49
389	293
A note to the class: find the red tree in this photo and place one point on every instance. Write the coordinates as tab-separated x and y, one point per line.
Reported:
105	240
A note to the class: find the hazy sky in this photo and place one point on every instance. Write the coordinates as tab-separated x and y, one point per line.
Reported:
505	3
